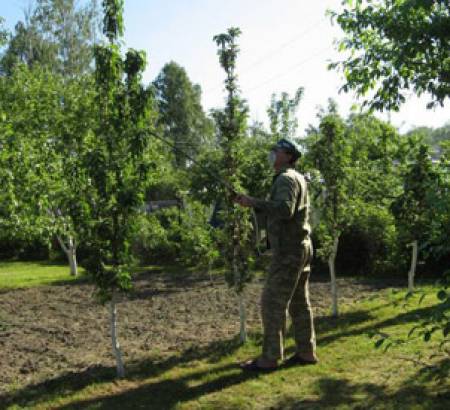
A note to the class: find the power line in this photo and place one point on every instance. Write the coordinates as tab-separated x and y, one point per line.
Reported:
317	24
293	67
266	56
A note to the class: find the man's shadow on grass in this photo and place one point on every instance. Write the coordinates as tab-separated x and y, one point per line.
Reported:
343	325
160	394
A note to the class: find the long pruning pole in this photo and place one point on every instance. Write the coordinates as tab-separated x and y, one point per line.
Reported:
202	167
212	175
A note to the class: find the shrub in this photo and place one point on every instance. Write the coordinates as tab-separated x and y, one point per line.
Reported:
369	244
174	234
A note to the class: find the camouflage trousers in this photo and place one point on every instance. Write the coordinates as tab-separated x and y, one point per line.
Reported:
287	288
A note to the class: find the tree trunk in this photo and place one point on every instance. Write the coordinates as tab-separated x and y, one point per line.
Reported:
210	268
71	252
242	315
332	267
242	319
412	270
72	256
114	340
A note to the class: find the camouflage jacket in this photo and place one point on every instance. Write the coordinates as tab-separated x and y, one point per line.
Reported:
287	212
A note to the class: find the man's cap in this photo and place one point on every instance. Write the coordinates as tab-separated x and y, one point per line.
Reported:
290	146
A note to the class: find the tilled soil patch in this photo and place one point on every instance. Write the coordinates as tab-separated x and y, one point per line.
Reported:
50	331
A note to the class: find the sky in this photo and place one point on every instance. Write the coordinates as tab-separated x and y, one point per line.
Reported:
285	44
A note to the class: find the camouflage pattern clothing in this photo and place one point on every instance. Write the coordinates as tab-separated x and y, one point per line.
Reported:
287	211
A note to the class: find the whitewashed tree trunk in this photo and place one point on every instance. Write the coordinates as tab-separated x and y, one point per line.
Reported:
412	270
71	252
72	256
332	267
114	338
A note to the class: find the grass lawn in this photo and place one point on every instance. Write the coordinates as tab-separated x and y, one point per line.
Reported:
352	374
28	274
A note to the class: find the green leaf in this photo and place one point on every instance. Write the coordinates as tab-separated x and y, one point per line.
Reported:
422	298
413	329
446	330
409	295
442	295
387	346
379	342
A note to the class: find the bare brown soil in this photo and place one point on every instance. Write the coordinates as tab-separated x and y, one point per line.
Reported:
49	331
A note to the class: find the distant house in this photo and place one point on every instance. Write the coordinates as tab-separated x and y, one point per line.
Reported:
153	206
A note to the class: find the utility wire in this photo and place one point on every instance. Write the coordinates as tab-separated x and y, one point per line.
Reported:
266	56
293	67
317	24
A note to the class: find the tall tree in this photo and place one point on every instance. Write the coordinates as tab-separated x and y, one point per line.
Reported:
331	156
412	208
378	153
232	124
56	34
118	162
49	121
282	114
438	235
393	46
3	33
16	165
181	114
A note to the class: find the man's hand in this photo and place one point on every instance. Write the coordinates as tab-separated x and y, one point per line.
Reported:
244	200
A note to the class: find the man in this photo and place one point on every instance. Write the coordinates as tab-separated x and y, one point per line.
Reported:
286	284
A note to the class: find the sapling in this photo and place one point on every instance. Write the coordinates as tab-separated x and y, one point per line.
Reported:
232	124
412	208
330	154
118	164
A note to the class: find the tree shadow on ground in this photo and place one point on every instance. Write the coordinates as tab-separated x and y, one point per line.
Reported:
70	383
324	324
340	325
81	279
438	374
335	393
167	393
396	282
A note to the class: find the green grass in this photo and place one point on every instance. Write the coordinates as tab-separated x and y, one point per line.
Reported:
352	374
30	274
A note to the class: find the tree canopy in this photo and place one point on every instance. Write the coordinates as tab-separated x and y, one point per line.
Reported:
181	115
393	46
56	34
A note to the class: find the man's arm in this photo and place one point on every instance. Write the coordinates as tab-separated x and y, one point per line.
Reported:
283	203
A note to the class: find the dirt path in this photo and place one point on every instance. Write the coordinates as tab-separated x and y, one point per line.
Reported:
48	331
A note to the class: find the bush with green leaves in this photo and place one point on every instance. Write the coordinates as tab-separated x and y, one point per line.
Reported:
151	242
172	234
437	246
369	243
